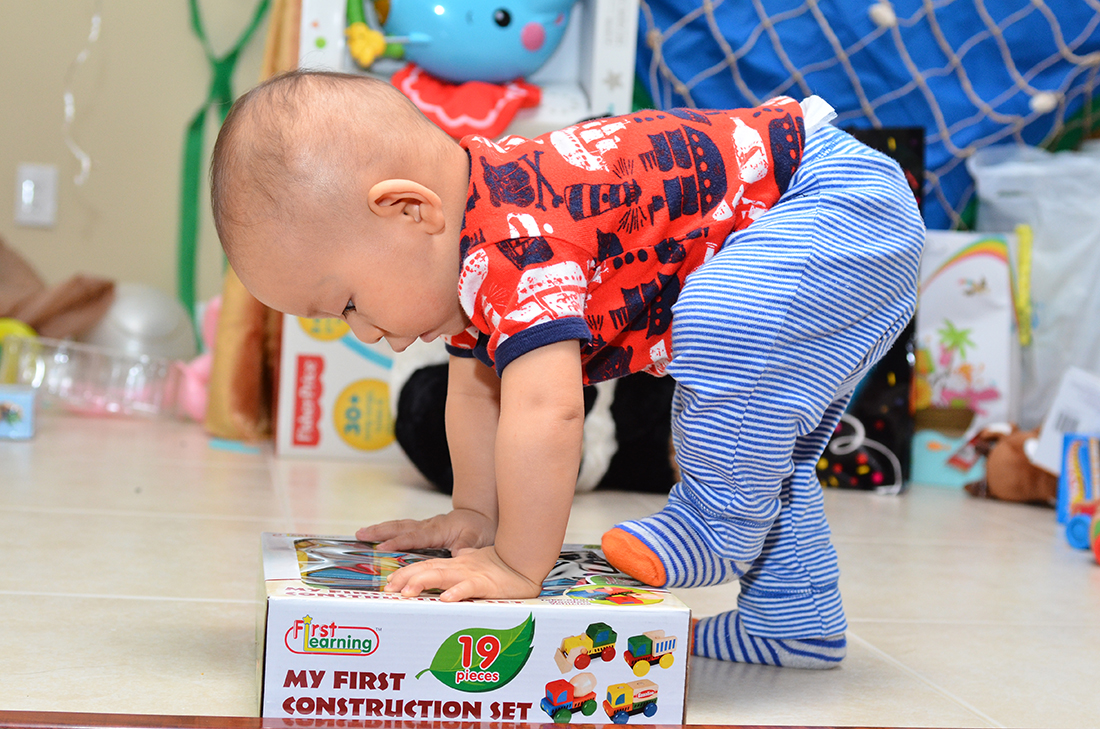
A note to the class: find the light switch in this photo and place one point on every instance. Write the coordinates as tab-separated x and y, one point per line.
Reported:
36	195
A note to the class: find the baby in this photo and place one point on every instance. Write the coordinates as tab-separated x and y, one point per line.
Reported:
763	261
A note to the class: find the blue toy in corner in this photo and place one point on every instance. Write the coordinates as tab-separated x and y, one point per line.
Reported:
479	40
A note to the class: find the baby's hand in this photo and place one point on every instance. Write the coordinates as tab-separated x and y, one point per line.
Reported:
455	530
471	573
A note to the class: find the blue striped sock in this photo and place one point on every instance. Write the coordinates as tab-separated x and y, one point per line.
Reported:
667	550
724	637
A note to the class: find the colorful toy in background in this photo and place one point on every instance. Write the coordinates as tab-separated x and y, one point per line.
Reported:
195	382
365	39
627	699
467	58
14	326
1081	526
479	40
1079	492
565	698
1079	481
577	651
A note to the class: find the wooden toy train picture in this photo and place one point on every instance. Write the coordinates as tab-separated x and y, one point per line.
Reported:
565	698
577	651
648	648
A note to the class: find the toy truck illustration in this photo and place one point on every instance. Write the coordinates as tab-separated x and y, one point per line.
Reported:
648	648
577	650
625	699
565	698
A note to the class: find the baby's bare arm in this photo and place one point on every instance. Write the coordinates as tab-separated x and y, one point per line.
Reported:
538	447
473	408
473	412
538	455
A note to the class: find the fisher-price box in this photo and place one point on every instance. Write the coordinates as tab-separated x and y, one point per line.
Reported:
595	647
334	396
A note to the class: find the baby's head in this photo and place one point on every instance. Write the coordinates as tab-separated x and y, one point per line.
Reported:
334	196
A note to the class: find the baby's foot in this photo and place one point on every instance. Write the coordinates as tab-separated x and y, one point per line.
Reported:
724	637
666	550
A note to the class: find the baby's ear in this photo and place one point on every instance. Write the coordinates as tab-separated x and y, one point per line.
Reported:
394	198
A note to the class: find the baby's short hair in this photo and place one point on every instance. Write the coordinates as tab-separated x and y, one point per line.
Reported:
269	134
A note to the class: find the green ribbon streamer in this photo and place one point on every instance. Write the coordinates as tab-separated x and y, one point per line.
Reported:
220	96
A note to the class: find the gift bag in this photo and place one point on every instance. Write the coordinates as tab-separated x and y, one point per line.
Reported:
1057	195
966	342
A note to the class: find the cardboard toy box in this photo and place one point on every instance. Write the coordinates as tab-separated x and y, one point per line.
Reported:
595	647
334	396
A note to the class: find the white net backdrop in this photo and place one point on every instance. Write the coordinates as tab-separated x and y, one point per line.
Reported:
972	73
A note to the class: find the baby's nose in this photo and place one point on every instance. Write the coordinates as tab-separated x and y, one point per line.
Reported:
399	344
365	332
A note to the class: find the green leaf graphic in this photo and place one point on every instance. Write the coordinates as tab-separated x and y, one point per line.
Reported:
483	659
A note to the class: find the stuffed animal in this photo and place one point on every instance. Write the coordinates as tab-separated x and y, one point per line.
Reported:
627	428
1010	474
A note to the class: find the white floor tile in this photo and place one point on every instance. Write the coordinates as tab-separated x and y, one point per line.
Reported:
132	560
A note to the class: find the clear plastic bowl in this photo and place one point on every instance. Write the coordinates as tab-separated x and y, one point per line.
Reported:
90	380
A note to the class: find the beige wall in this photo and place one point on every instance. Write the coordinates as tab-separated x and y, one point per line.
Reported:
144	79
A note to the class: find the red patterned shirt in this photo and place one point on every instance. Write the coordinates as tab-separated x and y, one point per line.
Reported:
589	232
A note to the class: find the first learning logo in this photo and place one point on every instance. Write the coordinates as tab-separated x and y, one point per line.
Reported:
305	637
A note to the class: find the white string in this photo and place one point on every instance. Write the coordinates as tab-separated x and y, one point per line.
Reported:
70	103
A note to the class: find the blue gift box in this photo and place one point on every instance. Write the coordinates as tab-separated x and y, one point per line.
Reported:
16	412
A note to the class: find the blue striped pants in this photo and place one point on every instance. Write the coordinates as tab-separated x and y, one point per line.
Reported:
770	337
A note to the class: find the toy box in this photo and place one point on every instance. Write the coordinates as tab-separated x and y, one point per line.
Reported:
1076	409
595	647
16	412
1079	482
334	396
590	74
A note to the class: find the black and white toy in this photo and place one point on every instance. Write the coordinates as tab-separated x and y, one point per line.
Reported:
627	427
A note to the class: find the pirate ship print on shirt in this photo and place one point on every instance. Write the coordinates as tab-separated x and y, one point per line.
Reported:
589	232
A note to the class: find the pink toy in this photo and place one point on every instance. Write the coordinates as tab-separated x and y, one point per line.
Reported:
195	375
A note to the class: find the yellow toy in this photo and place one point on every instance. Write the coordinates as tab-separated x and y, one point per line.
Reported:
365	42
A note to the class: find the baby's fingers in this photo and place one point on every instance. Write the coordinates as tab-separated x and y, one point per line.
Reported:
385	530
413	579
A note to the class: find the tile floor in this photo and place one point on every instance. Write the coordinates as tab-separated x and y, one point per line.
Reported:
131	563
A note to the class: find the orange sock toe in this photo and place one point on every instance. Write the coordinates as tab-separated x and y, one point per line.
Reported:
629	554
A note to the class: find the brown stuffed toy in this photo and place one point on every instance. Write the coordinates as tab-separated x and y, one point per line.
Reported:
1009	473
67	309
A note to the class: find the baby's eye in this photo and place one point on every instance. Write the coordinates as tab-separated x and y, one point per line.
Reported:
348	309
